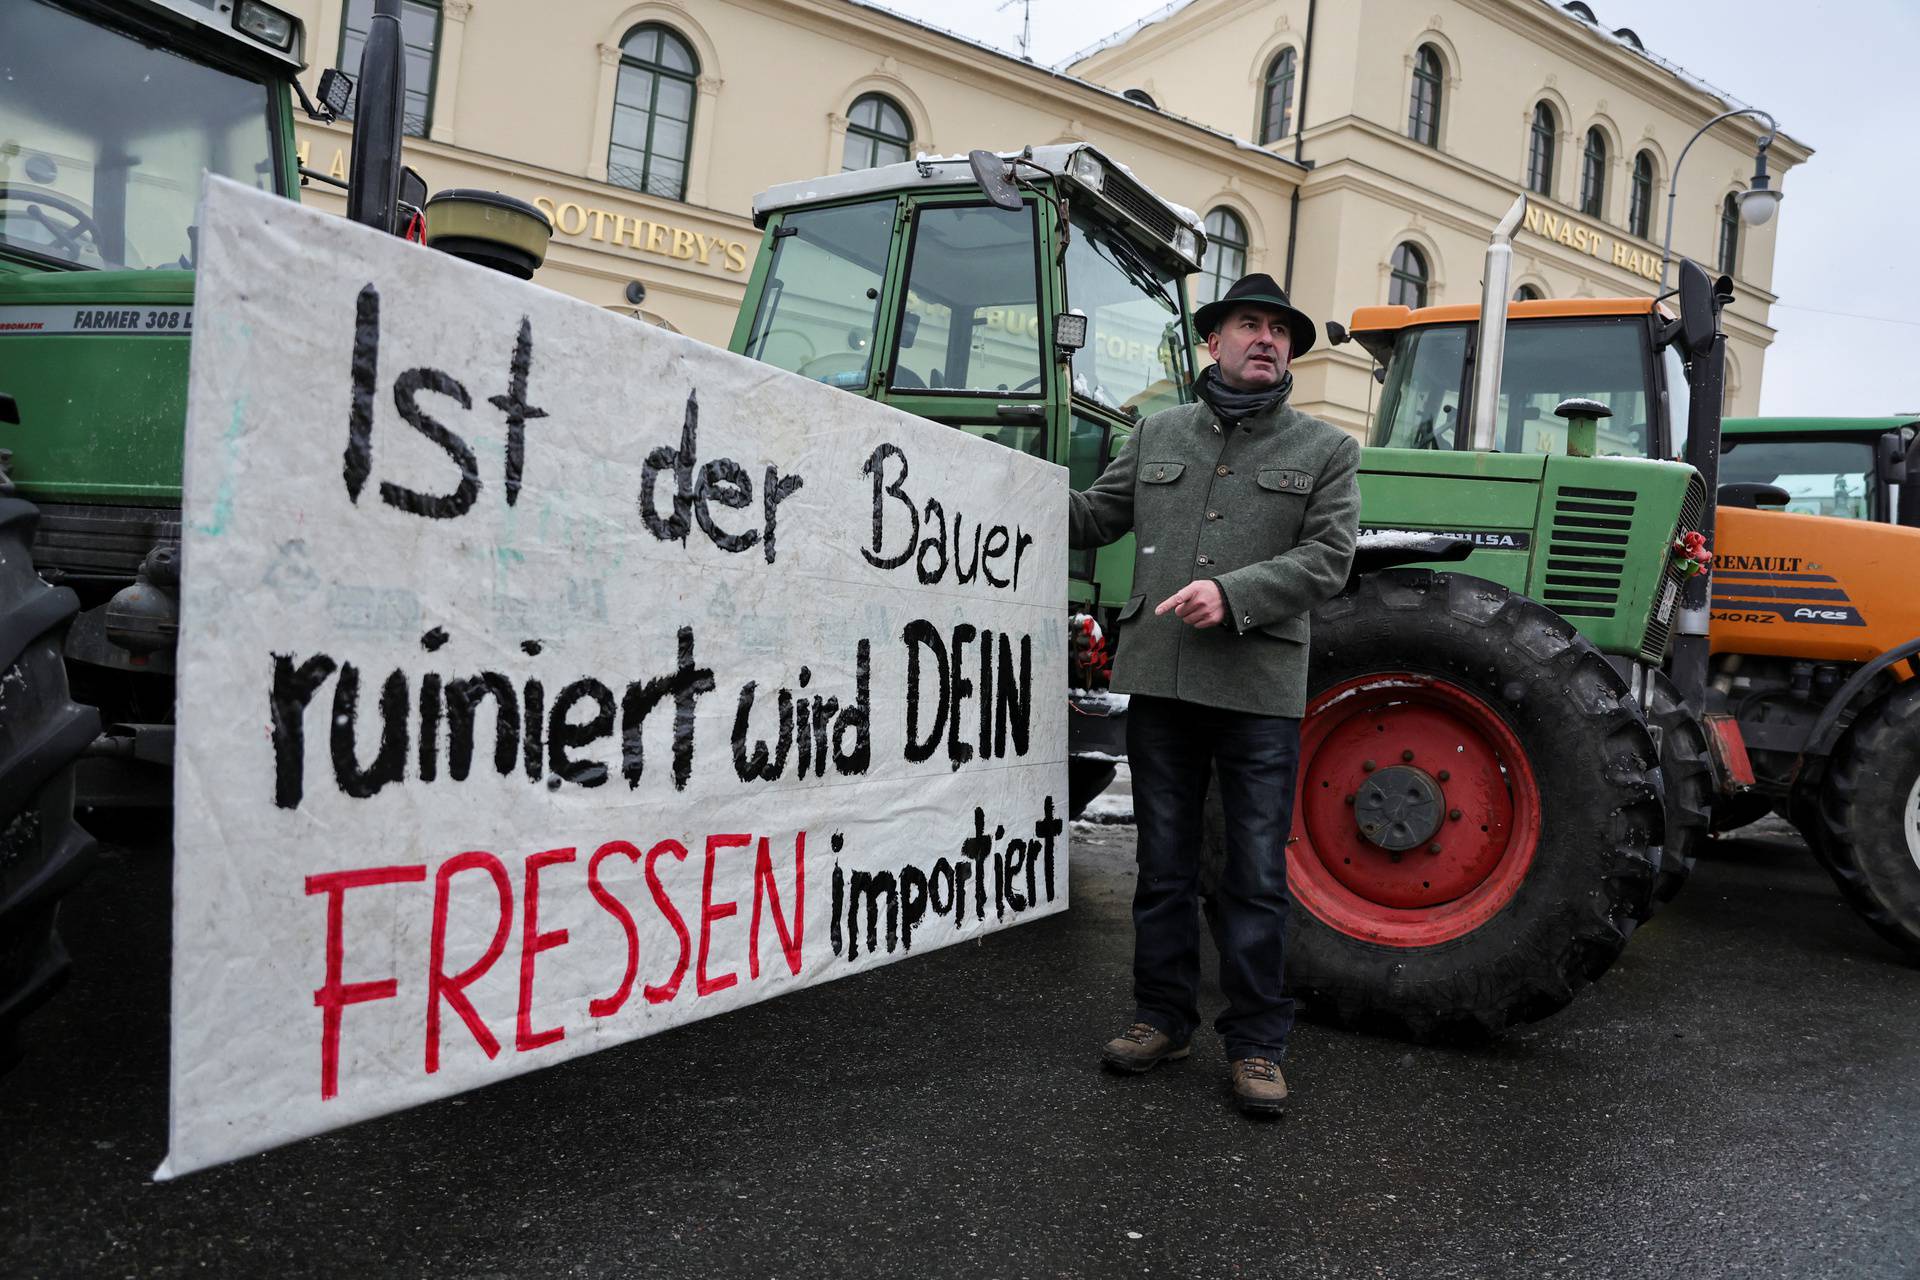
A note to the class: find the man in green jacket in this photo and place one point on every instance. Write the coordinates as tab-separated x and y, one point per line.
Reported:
1244	512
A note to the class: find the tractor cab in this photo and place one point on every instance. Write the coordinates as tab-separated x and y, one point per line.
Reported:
111	114
1850	468
1033	298
1618	352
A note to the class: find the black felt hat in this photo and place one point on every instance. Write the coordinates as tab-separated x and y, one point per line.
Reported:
1259	290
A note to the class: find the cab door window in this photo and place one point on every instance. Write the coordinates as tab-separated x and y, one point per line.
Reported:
970	322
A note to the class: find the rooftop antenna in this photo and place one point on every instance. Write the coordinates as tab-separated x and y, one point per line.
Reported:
1026	24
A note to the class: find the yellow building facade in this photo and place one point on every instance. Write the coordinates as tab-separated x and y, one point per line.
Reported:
1395	135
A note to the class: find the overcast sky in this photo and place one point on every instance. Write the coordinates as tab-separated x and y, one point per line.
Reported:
1838	75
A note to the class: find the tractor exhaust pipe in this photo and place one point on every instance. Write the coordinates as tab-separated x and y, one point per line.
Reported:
1702	298
1490	349
373	179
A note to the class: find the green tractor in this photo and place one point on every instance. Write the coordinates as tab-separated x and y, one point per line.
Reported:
1480	816
1788	687
113	111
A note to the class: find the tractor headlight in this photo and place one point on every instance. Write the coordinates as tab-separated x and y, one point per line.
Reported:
265	23
1087	170
1186	244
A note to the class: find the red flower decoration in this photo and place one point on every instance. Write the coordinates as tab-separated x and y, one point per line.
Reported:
1690	548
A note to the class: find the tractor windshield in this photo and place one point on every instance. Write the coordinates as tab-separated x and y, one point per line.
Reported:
1133	363
103	139
1546	362
1830	477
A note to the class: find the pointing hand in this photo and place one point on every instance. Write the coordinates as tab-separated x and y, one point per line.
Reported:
1198	604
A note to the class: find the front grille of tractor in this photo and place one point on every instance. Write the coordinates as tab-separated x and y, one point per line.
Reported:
1587	551
1673	583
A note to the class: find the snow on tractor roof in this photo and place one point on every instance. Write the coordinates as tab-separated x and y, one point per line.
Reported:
925	172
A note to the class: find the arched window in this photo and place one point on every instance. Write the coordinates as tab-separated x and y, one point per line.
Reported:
1276	105
1729	234
1593	174
1540	150
1409	287
1226	256
1640	198
1527	293
1423	109
653	113
877	134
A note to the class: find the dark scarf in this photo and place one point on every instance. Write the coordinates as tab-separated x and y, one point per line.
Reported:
1235	407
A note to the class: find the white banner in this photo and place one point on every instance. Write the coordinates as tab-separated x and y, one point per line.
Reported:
548	679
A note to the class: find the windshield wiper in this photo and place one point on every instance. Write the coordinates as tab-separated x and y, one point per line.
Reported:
1128	259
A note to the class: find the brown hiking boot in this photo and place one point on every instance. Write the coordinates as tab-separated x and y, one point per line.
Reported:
1259	1087
1141	1048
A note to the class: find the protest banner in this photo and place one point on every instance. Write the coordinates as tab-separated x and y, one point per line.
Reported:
548	680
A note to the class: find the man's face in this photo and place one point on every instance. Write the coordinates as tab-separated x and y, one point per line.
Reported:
1252	347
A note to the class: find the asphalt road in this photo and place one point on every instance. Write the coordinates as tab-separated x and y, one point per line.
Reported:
1739	1096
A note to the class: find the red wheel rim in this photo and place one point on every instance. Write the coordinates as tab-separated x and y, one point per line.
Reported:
1410	723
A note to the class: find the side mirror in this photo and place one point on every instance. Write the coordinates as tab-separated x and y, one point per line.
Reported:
1699	308
1752	496
1337	334
1891	449
991	173
413	188
909	329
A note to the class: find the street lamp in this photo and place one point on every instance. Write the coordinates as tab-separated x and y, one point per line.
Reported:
1756	203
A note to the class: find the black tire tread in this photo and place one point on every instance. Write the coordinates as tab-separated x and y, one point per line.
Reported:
43	851
1686	766
1851	833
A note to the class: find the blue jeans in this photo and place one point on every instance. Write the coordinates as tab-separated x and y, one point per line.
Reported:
1172	748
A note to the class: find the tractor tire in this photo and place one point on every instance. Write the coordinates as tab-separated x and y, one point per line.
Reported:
1443	694
1086	779
1868	818
43	851
1686	767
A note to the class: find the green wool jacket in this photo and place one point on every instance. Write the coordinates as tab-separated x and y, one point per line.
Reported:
1268	509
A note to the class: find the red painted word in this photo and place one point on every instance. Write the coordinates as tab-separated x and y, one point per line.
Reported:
448	991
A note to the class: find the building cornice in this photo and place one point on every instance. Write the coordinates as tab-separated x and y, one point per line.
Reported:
1170	32
1073	98
540	175
1534	21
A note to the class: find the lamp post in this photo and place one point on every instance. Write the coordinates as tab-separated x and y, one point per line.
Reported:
1757	202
